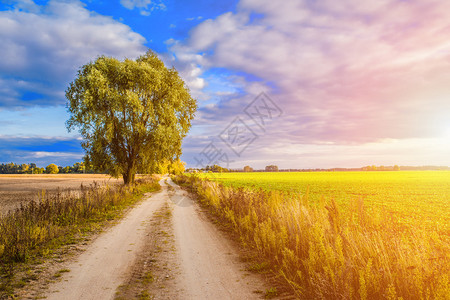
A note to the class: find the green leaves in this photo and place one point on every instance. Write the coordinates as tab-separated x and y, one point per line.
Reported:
131	113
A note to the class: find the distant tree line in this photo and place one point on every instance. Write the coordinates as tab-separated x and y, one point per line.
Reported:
381	168
163	167
13	168
215	169
274	168
31	168
219	169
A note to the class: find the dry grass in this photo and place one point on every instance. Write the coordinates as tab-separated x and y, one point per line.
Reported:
37	228
324	252
20	188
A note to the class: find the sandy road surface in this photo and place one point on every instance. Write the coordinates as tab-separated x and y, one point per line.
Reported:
207	265
103	267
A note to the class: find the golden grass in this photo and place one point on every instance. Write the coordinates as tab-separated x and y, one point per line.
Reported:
37	228
326	252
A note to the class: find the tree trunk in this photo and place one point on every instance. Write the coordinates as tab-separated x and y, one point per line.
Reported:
128	176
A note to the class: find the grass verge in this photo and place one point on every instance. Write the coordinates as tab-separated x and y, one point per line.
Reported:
323	252
36	229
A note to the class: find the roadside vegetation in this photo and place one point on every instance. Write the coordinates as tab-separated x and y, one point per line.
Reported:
418	198
325	250
38	228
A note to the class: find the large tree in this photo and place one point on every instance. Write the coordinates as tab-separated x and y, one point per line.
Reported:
131	114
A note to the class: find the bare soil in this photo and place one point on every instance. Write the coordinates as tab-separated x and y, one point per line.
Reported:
17	189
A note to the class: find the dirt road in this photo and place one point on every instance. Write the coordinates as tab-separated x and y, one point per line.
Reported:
103	266
207	265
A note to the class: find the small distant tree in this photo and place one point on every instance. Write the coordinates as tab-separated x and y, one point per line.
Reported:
248	169
370	168
32	167
78	167
396	168
218	169
52	169
272	168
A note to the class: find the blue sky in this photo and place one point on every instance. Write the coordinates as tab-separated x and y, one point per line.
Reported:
350	83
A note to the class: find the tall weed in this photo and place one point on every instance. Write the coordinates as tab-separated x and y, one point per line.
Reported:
324	252
38	226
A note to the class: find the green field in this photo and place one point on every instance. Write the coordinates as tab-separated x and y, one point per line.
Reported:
419	198
341	235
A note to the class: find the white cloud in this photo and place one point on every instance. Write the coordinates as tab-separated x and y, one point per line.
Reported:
190	67
351	71
56	155
210	31
42	48
145	7
349	75
194	18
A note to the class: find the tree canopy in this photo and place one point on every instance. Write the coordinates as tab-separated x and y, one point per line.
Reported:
272	168
131	114
52	169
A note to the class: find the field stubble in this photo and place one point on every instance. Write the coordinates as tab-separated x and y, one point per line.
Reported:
38	228
17	189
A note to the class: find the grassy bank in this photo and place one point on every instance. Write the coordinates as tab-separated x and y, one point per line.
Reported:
37	229
324	252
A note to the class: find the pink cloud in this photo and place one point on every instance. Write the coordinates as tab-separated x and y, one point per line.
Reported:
345	72
372	70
